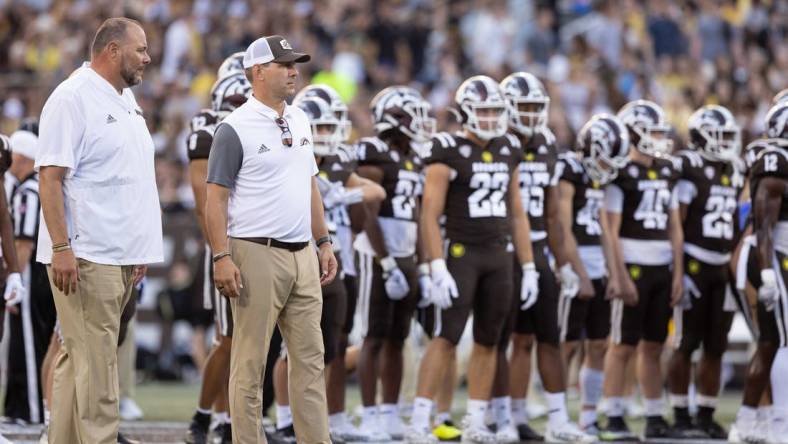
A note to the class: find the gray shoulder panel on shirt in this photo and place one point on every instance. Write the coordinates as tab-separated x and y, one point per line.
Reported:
226	157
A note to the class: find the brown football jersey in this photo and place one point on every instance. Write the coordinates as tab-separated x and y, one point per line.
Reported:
477	201
537	173
201	129
587	201
771	162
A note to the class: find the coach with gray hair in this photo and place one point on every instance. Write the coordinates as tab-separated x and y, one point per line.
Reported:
263	209
101	227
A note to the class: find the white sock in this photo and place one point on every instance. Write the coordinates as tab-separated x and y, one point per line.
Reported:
587	417
520	411
616	406
779	386
369	413
477	409
654	407
680	401
707	401
284	416
204	411
224	418
765	413
746	413
337	420
388	410
556	408
591	381
442	417
422	407
502	411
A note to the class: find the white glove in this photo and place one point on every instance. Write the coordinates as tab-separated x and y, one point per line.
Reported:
529	289
444	289
14	290
690	291
570	281
425	286
396	284
333	197
768	291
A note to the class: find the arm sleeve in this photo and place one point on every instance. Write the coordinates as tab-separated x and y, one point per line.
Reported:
226	157
61	130
614	199
685	191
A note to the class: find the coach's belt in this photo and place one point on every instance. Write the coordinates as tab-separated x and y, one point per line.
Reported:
290	246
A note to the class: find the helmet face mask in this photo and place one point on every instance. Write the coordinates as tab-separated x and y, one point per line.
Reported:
604	144
326	129
649	133
527	103
482	108
713	133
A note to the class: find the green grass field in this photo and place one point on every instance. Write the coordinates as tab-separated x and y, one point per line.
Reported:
176	402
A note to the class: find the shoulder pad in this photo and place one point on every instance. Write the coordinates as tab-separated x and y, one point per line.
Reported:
513	140
549	137
690	158
571	160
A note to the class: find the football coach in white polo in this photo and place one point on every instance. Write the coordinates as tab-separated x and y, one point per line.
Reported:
263	209
101	225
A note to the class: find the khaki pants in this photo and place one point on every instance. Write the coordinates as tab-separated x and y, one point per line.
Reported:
85	389
281	287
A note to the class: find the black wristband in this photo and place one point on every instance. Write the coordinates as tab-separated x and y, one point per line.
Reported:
323	240
221	255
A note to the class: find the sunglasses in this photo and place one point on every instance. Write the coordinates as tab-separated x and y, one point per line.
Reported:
287	136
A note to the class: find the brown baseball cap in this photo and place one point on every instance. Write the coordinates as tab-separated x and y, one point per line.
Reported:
273	48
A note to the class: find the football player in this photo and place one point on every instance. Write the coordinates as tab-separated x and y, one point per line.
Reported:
708	188
227	94
764	261
527	105
472	177
602	148
386	249
645	229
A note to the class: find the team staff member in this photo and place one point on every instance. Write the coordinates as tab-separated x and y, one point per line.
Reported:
102	224
262	208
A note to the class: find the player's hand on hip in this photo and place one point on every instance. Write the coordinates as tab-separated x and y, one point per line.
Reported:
677	289
328	263
14	292
65	271
444	289
139	274
570	281
529	288
768	292
396	283
227	277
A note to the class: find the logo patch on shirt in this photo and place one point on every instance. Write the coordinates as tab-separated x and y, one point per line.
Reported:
665	171
709	172
465	151
263	149
336	167
111	119
505	151
725	180
487	157
138	111
304	141
633	171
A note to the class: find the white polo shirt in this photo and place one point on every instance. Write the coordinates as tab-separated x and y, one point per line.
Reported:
270	183
111	201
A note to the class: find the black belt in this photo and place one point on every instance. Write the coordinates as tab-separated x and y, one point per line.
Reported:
290	246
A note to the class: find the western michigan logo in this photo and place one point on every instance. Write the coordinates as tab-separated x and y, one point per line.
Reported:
487	157
635	272
457	250
652	175
529	157
323	175
595	184
785	264
693	266
725	180
409	165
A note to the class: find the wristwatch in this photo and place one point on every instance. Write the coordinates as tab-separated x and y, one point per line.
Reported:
323	240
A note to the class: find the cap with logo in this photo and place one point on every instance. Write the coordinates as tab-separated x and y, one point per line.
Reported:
272	49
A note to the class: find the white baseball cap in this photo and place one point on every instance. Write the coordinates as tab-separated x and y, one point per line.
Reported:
24	143
272	49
